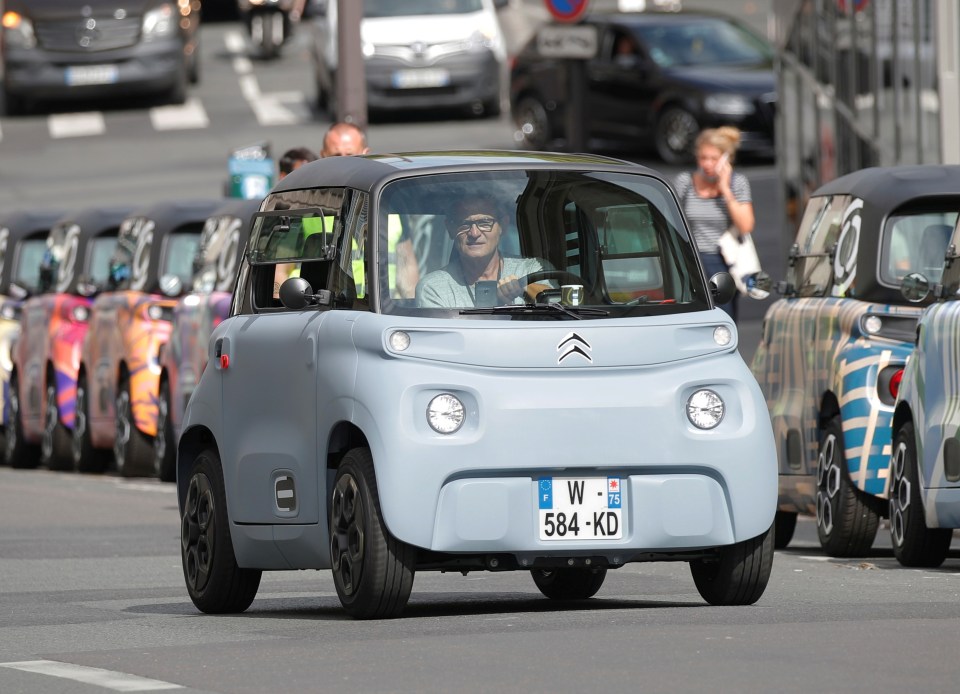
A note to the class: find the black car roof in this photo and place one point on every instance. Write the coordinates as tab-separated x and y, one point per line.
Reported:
170	214
886	188
94	220
365	172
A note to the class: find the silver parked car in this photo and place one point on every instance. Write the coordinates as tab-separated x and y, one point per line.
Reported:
474	361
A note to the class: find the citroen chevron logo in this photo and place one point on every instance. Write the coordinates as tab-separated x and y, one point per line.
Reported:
574	344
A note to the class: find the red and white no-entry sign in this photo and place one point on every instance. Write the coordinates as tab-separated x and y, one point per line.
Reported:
567	10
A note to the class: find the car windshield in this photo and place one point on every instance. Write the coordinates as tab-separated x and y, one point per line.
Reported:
179	252
703	42
586	240
216	251
408	8
30	256
916	241
98	259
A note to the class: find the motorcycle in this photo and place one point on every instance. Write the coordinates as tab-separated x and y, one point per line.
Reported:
269	23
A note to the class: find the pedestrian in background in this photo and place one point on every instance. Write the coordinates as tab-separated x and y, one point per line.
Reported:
293	159
344	140
715	198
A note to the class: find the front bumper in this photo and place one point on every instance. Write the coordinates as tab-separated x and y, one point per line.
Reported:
457	80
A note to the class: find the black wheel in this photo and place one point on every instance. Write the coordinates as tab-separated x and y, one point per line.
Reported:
532	122
569	584
86	458
55	439
20	454
783	526
846	524
675	134
177	94
193	69
215	583
164	444
372	571
491	108
739	574
914	544
132	449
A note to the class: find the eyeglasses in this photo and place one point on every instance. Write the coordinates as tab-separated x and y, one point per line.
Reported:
484	224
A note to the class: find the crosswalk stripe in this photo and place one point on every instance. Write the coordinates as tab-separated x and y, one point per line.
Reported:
76	124
108	679
182	117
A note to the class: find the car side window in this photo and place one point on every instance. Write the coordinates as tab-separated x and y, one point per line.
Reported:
817	238
352	271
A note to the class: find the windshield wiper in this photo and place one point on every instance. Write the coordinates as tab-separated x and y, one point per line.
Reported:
538	309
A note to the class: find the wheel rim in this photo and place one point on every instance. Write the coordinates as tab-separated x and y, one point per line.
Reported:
679	129
160	440
197	532
347	534
899	496
13	431
828	484
532	124
51	419
79	425
123	428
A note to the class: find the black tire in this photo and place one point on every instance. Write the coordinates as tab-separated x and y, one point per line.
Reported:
674	137
132	449
739	574
914	544
193	66
491	108
86	458
372	571
214	581
55	440
784	525
177	94
569	584
20	454
533	123
164	444
846	522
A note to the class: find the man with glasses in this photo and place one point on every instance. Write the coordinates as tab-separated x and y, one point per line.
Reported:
479	274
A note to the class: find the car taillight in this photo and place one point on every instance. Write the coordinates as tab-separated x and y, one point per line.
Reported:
888	383
895	383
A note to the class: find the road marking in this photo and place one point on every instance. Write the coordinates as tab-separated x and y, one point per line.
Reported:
109	679
181	117
270	108
76	124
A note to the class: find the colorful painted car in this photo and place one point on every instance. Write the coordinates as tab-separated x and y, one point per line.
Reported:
346	426
833	348
925	464
184	357
23	236
52	325
119	377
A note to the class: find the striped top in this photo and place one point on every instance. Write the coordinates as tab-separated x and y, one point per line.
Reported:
709	217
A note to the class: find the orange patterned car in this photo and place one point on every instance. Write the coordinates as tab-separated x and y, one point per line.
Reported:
52	325
119	371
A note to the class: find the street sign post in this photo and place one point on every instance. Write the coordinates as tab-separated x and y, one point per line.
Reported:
574	44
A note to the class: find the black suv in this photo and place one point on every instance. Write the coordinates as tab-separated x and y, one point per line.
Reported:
657	78
87	48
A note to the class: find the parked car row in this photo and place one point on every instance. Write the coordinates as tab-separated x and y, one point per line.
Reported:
90	299
858	364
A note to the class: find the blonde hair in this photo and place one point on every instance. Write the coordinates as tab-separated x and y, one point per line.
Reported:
726	138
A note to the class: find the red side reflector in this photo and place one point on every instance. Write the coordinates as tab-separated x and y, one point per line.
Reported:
225	363
895	383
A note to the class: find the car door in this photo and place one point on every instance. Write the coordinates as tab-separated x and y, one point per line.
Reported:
619	91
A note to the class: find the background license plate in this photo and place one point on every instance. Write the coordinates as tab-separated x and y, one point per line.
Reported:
580	508
91	74
426	77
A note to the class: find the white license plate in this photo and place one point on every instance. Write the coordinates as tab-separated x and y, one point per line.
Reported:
425	77
580	508
91	74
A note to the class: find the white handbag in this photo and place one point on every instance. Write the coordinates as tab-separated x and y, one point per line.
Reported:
741	255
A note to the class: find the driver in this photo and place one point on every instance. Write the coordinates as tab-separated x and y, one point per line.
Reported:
476	223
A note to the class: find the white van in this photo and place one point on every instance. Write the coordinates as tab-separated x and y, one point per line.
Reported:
418	54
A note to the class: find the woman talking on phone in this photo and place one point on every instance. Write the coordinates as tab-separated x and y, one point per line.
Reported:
715	198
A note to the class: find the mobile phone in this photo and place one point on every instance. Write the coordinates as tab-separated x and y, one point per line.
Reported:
724	158
485	293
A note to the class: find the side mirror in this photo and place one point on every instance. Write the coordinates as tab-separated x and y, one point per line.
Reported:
296	293
915	287
722	287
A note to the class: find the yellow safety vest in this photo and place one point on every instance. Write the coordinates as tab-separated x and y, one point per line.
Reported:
394	232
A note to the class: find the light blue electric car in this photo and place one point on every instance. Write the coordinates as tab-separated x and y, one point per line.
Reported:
474	361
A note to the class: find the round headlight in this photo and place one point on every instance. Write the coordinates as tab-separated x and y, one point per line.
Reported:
445	413
8	312
722	335
872	324
705	409
154	312
81	314
399	340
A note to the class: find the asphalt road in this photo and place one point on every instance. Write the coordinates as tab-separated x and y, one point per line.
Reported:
90	581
